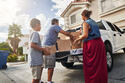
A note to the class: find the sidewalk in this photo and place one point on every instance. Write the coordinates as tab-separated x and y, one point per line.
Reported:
4	78
15	63
17	72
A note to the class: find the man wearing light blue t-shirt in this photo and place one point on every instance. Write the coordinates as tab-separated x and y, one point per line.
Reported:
49	40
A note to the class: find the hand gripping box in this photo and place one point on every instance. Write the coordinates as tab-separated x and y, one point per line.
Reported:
67	44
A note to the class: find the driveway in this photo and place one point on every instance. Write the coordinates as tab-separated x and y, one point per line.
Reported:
20	73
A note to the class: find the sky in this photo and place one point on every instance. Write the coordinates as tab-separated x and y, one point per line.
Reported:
22	11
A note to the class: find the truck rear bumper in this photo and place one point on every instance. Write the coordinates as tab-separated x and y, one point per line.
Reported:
71	53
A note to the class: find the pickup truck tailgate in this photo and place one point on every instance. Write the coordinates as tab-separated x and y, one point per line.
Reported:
73	52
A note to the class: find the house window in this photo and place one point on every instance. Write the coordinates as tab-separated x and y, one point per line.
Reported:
73	19
106	5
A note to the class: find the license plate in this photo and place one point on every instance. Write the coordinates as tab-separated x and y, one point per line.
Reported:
76	51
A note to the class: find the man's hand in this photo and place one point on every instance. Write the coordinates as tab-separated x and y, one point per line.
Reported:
77	40
73	37
65	33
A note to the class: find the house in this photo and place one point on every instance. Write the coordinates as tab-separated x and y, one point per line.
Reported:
72	14
24	43
111	10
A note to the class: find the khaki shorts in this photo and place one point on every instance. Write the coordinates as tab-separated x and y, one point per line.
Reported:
36	72
49	61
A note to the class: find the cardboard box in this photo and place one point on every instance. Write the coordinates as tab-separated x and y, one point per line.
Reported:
64	45
67	44
76	34
79	44
50	50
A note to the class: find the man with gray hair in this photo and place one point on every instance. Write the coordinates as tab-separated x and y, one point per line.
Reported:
49	40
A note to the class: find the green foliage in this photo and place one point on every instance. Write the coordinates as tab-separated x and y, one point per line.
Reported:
20	51
12	58
22	58
15	31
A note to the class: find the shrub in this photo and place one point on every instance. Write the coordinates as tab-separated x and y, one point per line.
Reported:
12	58
22	58
20	51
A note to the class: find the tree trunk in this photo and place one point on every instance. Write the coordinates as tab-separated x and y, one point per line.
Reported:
14	43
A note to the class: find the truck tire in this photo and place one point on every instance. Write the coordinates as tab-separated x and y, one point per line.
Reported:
67	65
124	50
109	57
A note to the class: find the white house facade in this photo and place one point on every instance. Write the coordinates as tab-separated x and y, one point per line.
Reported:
72	14
110	10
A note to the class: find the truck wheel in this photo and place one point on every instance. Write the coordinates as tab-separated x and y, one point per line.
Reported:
124	50
109	57
4	66
67	65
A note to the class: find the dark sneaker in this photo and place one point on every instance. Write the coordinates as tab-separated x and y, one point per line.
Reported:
51	82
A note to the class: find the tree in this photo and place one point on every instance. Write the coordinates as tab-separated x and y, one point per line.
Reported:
14	36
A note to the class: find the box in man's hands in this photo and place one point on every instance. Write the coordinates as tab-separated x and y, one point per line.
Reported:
78	44
49	50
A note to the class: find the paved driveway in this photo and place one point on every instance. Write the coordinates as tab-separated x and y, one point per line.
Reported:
20	73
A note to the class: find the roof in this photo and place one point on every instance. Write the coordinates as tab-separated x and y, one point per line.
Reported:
73	3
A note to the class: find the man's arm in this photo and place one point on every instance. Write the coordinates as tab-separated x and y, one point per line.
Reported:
35	46
65	33
59	30
46	51
68	34
85	32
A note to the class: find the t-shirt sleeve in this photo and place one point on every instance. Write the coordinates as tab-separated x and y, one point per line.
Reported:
35	37
57	29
